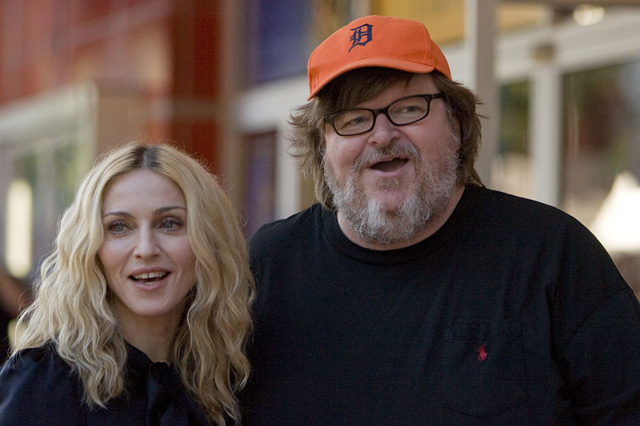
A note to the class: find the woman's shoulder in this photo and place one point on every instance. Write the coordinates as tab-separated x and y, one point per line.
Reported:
43	359
35	381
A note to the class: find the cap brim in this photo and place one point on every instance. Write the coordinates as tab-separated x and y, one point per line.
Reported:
402	65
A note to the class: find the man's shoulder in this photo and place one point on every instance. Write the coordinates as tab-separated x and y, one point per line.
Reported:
511	216
289	227
289	241
521	208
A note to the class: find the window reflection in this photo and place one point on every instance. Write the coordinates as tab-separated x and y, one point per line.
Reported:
601	163
19	228
511	170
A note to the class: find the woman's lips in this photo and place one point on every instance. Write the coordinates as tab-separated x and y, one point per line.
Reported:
149	277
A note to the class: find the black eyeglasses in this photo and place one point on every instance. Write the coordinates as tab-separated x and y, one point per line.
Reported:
401	112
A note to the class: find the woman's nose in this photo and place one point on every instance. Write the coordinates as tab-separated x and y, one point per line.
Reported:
146	244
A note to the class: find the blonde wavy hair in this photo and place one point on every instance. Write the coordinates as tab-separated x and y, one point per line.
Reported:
73	309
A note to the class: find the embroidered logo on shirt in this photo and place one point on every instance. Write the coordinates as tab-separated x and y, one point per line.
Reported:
361	35
482	353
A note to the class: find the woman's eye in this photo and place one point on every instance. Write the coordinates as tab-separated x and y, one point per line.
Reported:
117	228
171	224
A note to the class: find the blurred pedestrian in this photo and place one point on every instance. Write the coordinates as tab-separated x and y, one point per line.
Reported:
14	297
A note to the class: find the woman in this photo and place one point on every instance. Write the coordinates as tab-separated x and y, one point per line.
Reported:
142	311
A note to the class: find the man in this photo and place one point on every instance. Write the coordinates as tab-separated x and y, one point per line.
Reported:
411	294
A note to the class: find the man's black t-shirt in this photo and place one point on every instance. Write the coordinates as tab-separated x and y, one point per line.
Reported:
511	313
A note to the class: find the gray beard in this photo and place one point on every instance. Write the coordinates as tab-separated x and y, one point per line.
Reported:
436	182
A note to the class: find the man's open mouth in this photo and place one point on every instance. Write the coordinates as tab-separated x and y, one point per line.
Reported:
391	165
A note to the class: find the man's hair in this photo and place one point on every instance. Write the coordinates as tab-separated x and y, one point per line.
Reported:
362	84
73	307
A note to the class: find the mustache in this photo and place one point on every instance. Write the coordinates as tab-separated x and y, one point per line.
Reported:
386	153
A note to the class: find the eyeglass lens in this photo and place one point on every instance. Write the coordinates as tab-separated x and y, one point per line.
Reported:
401	112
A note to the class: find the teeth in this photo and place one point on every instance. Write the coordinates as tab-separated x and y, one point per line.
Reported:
150	275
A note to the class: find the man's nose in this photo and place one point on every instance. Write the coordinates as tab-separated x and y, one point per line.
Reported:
383	132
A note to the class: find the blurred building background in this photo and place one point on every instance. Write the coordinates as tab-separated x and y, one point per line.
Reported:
560	81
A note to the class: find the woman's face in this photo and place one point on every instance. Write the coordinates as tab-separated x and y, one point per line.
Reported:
147	257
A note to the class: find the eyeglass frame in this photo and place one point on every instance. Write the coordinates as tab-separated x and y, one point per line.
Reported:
429	97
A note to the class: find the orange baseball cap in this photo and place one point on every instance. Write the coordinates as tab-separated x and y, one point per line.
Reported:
375	41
